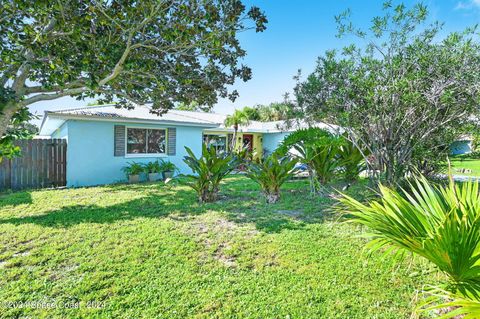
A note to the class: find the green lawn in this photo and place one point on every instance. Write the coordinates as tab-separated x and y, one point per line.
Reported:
462	162
150	251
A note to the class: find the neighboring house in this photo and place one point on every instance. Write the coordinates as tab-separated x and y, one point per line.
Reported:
463	145
103	139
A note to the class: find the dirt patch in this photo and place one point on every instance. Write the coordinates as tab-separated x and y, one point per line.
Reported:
217	236
220	255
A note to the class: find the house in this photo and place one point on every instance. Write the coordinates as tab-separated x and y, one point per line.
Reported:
463	145
103	139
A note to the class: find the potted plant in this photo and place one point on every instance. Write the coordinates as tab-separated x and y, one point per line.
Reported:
168	169
133	171
153	170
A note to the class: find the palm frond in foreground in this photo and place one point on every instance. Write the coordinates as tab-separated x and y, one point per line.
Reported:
439	223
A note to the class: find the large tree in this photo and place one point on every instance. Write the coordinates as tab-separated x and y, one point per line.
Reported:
404	95
159	51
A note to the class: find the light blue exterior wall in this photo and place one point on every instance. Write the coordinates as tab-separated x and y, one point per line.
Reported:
272	140
90	159
61	132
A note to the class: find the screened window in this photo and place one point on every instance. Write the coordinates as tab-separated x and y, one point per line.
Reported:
146	141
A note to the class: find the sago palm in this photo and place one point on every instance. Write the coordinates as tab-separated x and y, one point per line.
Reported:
439	223
270	174
209	170
318	149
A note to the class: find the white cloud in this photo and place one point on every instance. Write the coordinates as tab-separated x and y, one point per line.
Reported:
470	4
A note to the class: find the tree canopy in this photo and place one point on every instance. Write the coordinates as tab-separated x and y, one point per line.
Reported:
276	111
163	52
404	96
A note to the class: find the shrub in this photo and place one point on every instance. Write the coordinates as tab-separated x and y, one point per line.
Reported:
133	168
209	170
351	159
152	167
317	149
167	166
439	223
270	174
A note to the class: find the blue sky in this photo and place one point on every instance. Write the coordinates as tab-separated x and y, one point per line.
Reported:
298	32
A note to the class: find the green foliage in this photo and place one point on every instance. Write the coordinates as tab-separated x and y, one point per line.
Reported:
316	148
18	129
152	167
270	173
134	168
392	94
277	111
208	171
439	223
167	166
192	107
238	118
351	158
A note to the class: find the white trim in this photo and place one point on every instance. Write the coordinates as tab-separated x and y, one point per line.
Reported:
145	155
142	155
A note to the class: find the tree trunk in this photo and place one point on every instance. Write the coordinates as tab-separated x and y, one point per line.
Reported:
6	115
272	197
234	138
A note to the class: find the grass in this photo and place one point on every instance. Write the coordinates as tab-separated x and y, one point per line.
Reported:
150	251
466	162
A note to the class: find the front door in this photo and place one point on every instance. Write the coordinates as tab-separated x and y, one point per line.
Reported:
248	142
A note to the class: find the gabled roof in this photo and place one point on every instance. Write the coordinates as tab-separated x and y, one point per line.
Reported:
142	114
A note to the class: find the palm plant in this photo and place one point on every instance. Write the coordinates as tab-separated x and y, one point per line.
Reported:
351	158
209	170
152	167
439	223
270	174
134	168
317	149
238	118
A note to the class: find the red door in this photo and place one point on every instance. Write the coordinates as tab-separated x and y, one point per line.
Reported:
248	142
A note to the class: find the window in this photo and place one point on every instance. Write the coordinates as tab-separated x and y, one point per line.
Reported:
219	142
145	141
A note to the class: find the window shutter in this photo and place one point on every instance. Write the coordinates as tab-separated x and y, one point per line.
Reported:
172	141
119	140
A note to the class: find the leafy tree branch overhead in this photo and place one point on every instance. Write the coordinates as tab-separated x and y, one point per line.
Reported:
405	95
160	51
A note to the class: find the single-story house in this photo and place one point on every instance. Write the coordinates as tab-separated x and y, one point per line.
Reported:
463	145
103	139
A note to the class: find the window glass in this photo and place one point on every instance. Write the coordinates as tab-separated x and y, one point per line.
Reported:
219	142
136	141
146	141
156	141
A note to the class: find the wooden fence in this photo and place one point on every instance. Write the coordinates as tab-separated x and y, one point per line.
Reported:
43	164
